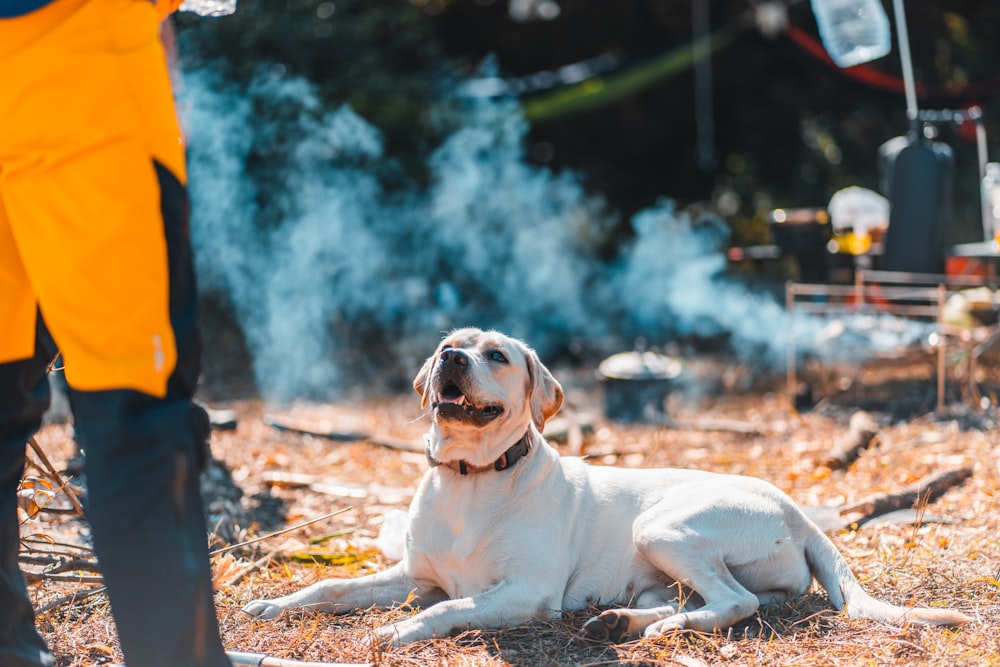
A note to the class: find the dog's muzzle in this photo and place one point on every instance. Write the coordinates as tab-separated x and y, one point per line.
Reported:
451	377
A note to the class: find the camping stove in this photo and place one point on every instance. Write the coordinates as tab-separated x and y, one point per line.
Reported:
636	385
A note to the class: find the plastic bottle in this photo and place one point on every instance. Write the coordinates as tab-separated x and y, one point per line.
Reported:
853	31
209	7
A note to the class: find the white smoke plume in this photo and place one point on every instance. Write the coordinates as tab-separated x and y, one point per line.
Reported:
333	275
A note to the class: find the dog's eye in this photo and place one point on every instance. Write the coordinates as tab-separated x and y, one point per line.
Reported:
498	356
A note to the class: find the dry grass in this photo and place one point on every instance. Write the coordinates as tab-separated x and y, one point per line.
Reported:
953	564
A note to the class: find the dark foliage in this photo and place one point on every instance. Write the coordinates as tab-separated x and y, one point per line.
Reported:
788	129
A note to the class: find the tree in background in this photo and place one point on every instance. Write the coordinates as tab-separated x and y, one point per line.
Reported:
789	129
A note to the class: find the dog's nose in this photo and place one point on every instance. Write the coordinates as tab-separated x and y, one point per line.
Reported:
453	356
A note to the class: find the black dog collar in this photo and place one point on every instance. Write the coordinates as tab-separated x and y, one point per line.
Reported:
513	454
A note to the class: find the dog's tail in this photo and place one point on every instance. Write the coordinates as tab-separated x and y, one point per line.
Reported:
846	593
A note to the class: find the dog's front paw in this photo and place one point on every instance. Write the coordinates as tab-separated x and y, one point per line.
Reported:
263	609
386	637
401	633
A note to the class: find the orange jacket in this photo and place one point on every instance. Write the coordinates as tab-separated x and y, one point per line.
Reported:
12	8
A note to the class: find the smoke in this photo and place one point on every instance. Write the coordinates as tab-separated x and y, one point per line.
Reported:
672	279
335	272
321	261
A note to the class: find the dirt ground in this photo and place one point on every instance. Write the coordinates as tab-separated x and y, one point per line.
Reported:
267	478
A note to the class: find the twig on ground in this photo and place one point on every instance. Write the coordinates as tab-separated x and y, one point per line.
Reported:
289	425
250	567
717	425
58	564
384	494
78	596
299	427
63	484
33	577
393	443
261	538
31	539
929	487
920	505
862	434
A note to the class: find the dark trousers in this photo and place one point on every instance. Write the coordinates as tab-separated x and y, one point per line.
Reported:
143	456
24	396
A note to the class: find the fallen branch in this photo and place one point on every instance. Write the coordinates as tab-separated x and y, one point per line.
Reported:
863	434
289	425
57	565
268	536
58	510
389	495
63	484
251	567
921	491
715	425
393	443
34	577
303	428
35	539
240	659
221	420
72	598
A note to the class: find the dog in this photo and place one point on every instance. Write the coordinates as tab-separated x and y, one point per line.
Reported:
503	529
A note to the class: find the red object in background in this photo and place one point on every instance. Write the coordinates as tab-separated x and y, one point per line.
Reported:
968	266
878	79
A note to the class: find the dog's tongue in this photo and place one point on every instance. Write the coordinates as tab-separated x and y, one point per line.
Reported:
456	400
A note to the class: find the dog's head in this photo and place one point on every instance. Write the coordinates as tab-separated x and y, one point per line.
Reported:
487	388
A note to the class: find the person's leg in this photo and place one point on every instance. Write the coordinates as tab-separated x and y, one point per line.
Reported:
24	397
153	546
99	212
143	458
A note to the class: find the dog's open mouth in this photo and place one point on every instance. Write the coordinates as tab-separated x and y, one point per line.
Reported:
452	403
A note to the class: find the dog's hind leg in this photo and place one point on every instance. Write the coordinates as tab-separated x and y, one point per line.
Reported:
692	550
727	602
617	625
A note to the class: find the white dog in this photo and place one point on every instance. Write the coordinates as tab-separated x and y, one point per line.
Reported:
503	529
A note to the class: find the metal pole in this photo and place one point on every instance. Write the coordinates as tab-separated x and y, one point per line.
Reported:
976	114
791	381
904	54
701	49
942	342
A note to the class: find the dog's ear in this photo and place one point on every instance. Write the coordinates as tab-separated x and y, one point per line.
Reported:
545	392
423	377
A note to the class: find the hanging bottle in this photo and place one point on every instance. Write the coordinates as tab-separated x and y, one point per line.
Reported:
853	31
